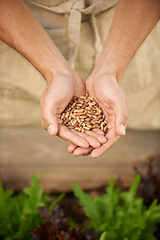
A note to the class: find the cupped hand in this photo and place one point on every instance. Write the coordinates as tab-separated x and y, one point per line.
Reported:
55	98
107	92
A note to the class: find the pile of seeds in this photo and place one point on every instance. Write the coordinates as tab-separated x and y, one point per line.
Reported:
83	113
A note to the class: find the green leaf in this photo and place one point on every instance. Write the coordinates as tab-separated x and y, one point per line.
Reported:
18	213
120	215
58	199
103	236
86	201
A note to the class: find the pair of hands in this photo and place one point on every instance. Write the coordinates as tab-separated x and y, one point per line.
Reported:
105	90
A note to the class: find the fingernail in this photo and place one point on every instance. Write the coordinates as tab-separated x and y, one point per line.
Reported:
122	129
51	130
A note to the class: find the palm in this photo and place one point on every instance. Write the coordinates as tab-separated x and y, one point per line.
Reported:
54	100
110	97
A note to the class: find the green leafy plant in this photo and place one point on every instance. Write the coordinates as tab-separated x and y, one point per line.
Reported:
120	215
18	213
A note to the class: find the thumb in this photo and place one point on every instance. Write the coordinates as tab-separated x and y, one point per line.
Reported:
121	121
53	127
49	118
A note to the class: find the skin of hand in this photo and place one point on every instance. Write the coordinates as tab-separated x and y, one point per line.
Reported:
107	92
55	98
63	83
124	38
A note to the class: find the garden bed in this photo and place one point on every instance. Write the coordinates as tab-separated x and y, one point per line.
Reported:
106	213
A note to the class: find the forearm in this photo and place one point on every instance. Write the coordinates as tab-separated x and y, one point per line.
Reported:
132	23
20	30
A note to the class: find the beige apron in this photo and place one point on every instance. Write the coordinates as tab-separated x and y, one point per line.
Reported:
79	29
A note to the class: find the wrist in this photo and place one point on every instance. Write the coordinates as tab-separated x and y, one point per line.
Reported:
113	62
108	69
52	70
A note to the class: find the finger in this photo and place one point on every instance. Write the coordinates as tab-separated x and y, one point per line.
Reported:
105	147
78	151
50	125
112	138
71	148
121	118
90	139
68	135
49	118
98	131
82	152
99	137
